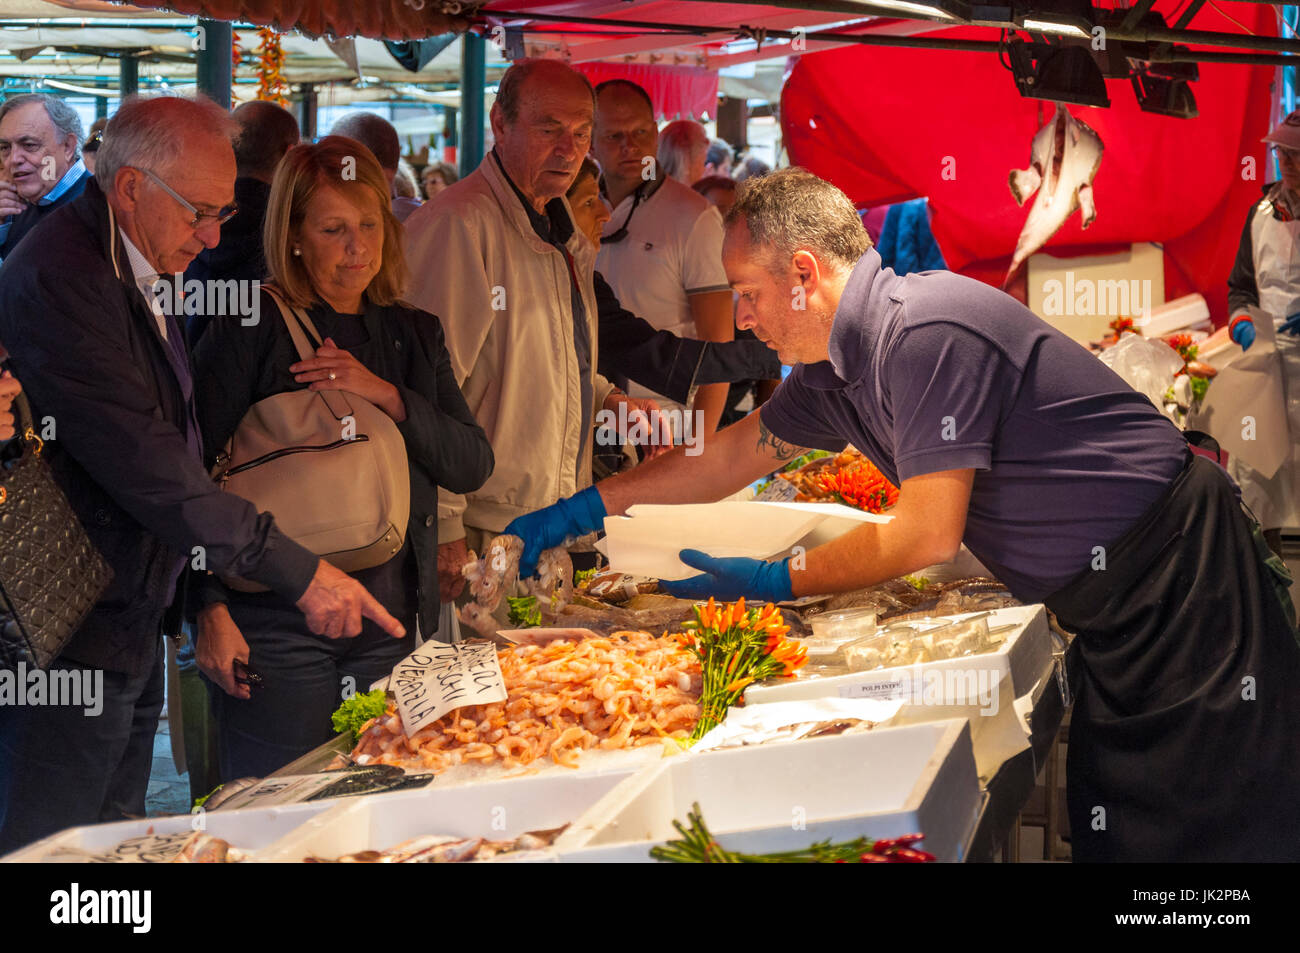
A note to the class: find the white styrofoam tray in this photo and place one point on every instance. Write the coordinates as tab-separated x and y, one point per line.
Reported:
885	783
247	830
647	540
495	810
971	681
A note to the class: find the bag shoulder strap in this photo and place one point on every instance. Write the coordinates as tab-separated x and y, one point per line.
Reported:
300	326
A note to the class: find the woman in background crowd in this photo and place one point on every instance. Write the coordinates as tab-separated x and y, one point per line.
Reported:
436	177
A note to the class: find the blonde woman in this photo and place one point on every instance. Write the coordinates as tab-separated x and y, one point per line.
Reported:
333	248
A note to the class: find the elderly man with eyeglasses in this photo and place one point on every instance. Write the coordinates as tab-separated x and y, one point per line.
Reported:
40	150
1266	275
104	363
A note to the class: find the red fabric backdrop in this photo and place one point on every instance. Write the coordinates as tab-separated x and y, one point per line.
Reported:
950	126
678	92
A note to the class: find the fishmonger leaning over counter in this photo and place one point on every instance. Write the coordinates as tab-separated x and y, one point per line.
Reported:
1004	434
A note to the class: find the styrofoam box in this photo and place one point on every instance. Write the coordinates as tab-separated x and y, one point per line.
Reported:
1021	657
247	830
778	797
496	810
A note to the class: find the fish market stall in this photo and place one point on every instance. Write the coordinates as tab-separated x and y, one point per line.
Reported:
592	717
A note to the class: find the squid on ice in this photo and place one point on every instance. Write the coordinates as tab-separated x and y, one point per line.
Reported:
1063	159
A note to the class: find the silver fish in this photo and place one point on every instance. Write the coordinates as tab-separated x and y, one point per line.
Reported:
1063	159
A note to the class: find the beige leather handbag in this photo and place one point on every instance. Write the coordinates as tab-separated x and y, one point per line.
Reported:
330	466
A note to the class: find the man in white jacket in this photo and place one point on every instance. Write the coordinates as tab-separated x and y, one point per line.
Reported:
497	258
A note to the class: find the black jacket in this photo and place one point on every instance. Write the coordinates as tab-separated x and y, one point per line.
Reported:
238	254
237	366
33	215
632	349
1243	290
87	349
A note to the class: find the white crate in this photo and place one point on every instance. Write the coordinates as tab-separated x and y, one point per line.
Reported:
247	830
778	797
1021	659
496	810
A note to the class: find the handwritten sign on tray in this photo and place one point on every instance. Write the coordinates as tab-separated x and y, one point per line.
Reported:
437	678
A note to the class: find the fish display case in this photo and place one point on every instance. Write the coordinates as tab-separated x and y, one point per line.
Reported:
495	811
780	797
160	839
1017	662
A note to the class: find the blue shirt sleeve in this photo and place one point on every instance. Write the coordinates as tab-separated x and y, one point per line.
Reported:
796	414
949	389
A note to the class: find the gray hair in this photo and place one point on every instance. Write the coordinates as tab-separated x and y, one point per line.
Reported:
375	133
64	117
678	141
148	133
720	151
792	209
510	89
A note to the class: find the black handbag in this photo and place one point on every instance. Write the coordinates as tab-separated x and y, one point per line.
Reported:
51	575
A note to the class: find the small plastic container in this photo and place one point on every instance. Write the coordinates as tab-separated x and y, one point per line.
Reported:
959	639
842	626
899	645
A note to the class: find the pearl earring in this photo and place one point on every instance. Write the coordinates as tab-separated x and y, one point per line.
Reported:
297	251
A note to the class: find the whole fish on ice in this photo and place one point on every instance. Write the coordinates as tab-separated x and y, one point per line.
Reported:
1063	159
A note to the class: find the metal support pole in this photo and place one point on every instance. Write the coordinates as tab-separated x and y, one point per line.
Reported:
307	112
213	60
733	121
128	75
473	83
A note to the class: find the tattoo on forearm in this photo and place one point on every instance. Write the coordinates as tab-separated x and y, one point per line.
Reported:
775	446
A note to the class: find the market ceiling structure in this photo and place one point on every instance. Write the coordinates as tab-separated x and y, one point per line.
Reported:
701	34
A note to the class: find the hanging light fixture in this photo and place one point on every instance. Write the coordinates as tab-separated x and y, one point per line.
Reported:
932	9
1165	88
1074	18
1063	74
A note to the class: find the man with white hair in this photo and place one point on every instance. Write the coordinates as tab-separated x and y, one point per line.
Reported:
102	359
683	147
40	148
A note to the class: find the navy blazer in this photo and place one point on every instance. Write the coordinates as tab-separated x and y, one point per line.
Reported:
87	349
33	215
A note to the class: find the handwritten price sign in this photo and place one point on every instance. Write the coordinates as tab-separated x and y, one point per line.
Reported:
437	678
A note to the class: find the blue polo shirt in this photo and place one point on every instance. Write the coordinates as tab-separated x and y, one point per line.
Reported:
934	371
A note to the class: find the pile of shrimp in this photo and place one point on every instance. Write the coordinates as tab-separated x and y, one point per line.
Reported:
628	690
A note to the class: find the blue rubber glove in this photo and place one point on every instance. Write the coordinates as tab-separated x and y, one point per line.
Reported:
728	579
1243	332
557	525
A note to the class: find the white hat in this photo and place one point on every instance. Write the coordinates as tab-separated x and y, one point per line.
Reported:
1287	132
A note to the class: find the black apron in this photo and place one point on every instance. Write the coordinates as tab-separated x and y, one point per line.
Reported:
1185	736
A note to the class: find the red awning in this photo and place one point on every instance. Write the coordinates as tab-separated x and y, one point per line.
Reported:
377	19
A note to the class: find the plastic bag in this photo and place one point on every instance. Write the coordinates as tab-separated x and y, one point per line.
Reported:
1146	365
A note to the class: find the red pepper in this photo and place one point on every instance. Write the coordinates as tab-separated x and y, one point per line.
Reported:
906	855
872	859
